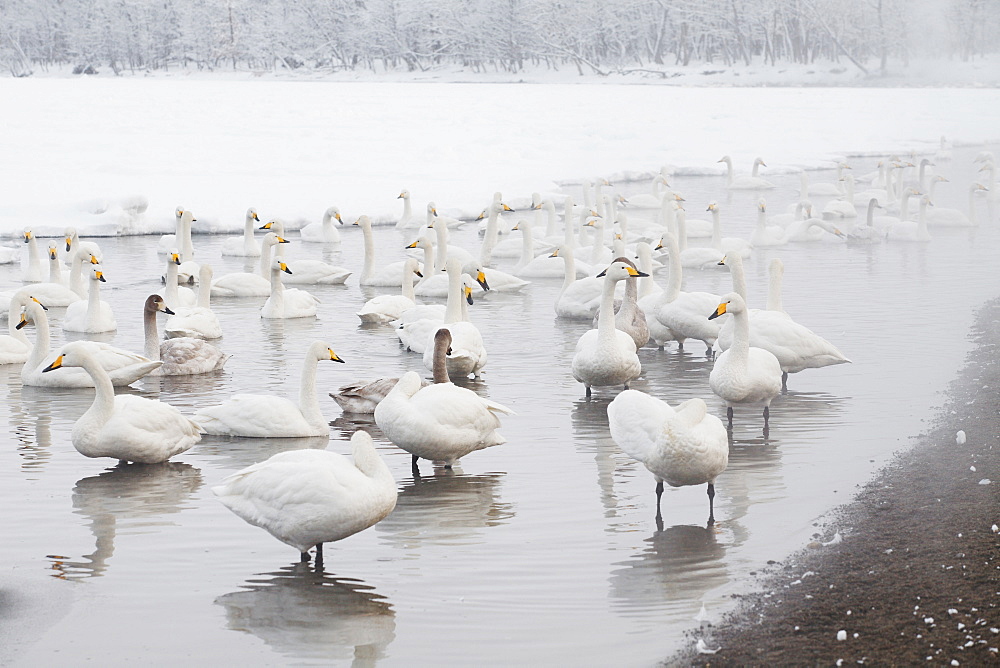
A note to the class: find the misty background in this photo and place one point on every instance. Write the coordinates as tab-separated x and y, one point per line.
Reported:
585	36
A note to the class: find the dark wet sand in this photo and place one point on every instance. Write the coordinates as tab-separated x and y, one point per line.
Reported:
915	580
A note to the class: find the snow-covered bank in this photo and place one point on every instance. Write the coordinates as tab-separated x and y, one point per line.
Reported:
293	148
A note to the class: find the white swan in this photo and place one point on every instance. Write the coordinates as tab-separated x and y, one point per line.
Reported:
305	498
181	356
290	303
307	272
266	415
492	215
125	427
54	292
652	199
823	188
948	217
390	275
86	254
765	235
651	298
743	182
606	356
468	352
844	206
743	374
198	322
867	233
685	313
383	309
166	242
176	295
908	230
33	272
324	231
15	348
795	346
417	325
579	297
94	315
363	397
406	219
246	284
440	422
532	265
813	230
245	246
188	269
680	446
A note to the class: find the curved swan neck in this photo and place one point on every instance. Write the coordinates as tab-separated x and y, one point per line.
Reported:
569	264
308	401
674	276
104	399
490	238
407	286
682	236
738	275
367	460
151	349
40	350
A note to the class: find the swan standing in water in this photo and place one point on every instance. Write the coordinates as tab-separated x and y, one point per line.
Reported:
175	295
246	284
441	422
680	446
743	374
325	231
579	297
93	316
305	498
122	366
125	427
743	182
266	415
606	356
629	316
245	246
683	313
181	356
468	352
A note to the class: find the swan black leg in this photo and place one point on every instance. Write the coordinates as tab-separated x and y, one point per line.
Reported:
784	382
711	504
304	557
414	467
588	390
319	556
729	414
767	415
659	493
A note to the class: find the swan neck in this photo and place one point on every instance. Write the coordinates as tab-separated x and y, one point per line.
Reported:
104	400
774	291
152	343
739	278
265	260
740	349
550	225
674	275
170	287
716	230
93	304
606	318
308	402
441	361
490	238
248	239
527	246
569	264
407	286
40	350
453	308
187	250
368	271
682	236
441	232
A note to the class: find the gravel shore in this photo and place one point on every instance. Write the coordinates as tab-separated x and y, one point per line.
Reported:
911	574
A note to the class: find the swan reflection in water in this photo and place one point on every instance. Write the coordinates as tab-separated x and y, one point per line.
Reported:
675	567
443	507
238	453
126	498
305	614
591	435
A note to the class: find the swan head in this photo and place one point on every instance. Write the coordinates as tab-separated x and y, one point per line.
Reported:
252	214
411	265
712	206
762	205
275	224
29	307
154	304
432	209
187	217
178	212
72	354
71	236
174	257
364	220
467	288
98	275
333	213
621	269
53	250
279	265
270	239
726	159
978	186
442	339
760	161
481	279
731	303
403	194
27	234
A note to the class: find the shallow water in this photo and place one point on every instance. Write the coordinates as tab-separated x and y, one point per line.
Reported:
539	551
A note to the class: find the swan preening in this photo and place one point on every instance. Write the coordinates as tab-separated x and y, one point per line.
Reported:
305	498
680	446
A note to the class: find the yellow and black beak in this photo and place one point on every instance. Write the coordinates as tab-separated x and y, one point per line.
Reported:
27	236
505	207
333	356
94	260
283	240
44	307
722	262
635	273
418	273
284	267
659	245
100	276
468	294
165	309
721	310
481	215
339	219
401	196
481	279
69	243
22	323
53	253
555	253
413	245
55	365
175	258
265	226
